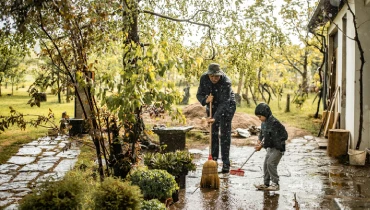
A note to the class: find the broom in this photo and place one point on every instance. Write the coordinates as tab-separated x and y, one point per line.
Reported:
239	171
210	177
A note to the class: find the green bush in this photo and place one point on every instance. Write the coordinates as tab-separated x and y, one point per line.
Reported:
116	194
176	163
155	183
62	194
153	204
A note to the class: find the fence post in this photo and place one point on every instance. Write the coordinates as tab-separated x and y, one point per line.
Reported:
287	108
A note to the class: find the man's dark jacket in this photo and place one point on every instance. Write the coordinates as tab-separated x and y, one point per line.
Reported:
223	95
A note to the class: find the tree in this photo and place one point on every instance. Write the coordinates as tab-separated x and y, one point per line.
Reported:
299	57
147	31
11	54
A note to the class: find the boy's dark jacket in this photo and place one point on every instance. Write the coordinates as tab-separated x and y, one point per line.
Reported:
272	130
223	95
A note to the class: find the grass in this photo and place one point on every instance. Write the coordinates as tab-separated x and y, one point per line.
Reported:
14	137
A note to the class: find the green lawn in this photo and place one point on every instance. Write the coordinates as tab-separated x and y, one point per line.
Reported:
11	139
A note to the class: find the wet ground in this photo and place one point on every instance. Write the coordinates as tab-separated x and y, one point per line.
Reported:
309	179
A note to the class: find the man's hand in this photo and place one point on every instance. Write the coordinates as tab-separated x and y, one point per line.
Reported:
210	120
209	99
259	145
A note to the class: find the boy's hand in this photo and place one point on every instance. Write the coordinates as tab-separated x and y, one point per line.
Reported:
259	145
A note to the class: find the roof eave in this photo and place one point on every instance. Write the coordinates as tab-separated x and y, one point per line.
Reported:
324	12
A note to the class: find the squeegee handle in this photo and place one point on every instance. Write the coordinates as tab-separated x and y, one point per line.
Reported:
248	159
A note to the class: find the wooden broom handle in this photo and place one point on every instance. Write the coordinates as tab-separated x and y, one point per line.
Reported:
210	127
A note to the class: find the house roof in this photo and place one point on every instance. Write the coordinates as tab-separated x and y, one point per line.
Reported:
325	11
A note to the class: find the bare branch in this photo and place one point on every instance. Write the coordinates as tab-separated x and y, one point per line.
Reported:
189	20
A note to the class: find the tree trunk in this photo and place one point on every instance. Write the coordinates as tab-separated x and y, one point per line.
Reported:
287	107
241	76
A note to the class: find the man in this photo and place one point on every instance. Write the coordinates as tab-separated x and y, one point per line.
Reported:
215	87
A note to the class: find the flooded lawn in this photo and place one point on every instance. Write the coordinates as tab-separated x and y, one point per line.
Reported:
308	177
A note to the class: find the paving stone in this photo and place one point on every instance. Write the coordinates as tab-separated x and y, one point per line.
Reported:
309	138
45	154
21	160
48	143
49	159
8	168
61	138
65	165
300	141
42	166
5	202
13	186
61	145
47	147
23	193
26	176
25	151
72	153
21	189
5	178
44	138
5	195
49	176
13	206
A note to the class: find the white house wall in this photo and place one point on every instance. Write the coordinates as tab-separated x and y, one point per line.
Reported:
352	74
363	21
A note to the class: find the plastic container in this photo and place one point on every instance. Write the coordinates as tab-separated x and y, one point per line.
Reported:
356	157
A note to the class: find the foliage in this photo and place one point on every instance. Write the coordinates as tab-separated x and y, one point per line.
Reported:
62	194
154	183
11	54
146	38
176	163
18	119
153	204
115	194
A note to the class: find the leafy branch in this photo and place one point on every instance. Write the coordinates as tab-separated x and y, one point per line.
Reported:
20	120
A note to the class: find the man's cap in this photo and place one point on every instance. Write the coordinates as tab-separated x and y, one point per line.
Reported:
214	69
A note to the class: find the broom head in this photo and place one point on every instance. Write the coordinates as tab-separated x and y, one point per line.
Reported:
238	172
210	177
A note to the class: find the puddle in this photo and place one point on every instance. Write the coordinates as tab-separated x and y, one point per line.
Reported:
311	178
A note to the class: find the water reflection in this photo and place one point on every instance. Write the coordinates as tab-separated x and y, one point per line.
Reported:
270	200
209	198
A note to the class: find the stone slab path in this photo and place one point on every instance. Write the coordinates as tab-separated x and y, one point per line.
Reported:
42	159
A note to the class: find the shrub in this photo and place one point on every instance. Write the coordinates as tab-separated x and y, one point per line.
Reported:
62	194
155	183
116	194
176	163
153	204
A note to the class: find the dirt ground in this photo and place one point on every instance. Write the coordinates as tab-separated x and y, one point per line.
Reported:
196	116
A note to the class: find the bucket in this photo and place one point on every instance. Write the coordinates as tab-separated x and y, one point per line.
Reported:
356	157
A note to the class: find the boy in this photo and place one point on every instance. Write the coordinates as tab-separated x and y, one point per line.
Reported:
274	135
